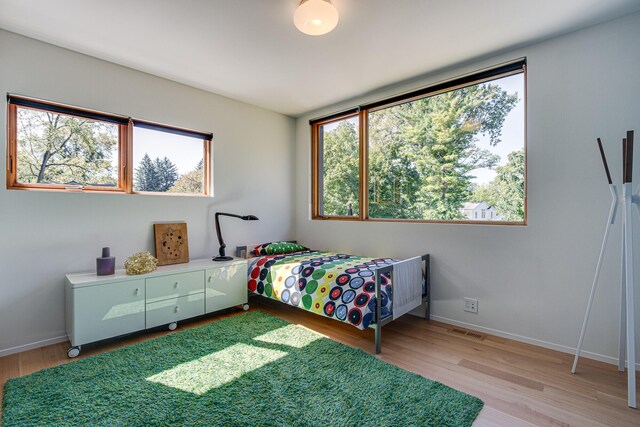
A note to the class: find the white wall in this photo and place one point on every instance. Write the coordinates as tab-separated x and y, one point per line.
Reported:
534	282
45	235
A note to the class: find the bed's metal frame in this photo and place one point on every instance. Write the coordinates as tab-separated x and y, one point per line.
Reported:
242	252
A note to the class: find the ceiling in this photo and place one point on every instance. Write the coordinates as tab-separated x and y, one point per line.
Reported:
250	50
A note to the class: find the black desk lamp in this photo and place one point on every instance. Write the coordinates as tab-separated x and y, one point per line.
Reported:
222	256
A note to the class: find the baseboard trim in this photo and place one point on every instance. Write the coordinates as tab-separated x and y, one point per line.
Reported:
533	341
31	346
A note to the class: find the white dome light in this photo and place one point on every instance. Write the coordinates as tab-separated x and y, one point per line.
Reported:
315	17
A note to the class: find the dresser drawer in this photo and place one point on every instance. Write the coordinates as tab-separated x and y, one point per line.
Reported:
174	285
226	287
174	309
105	311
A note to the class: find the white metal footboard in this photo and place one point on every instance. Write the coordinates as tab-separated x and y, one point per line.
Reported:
426	296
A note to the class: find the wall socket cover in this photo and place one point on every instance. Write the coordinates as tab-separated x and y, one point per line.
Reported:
471	305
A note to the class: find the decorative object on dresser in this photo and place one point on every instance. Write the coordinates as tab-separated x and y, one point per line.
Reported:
106	264
101	307
221	253
140	263
172	243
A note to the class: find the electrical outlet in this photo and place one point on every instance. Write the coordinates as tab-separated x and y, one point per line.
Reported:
471	305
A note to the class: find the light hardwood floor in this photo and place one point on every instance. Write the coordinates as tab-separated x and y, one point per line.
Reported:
520	384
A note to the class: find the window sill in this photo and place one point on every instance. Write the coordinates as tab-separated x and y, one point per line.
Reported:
422	221
94	190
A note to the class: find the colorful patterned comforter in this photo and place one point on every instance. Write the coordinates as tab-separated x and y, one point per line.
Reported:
333	285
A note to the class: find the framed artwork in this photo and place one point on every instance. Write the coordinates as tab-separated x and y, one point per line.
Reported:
172	243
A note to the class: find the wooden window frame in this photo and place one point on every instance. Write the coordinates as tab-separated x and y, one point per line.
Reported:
125	150
362	112
316	168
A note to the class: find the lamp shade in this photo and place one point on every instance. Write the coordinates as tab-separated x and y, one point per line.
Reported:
316	17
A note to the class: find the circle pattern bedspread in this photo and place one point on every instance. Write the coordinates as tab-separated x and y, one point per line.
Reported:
334	285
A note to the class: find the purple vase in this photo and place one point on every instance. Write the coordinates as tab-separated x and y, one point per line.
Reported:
106	264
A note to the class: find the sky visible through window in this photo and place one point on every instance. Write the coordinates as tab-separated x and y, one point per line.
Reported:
512	138
184	152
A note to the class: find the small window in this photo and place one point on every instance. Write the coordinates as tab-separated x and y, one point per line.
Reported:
58	147
51	149
338	148
165	162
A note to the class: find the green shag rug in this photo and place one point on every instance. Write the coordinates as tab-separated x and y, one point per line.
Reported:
251	369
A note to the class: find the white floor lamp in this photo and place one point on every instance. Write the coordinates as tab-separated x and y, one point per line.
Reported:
627	296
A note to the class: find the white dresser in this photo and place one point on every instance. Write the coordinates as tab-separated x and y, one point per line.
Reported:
100	307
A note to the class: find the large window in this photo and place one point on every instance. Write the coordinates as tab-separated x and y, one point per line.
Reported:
454	152
56	147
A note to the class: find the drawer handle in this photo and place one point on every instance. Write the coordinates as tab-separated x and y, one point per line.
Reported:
209	279
176	309
175	285
137	291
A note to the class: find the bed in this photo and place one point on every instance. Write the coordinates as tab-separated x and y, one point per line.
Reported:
340	286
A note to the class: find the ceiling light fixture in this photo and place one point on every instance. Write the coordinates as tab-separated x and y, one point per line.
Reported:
315	17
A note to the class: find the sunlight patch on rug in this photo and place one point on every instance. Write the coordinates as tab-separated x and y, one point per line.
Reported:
216	369
291	335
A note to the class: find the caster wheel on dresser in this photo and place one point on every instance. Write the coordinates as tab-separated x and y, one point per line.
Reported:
73	352
245	307
173	326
